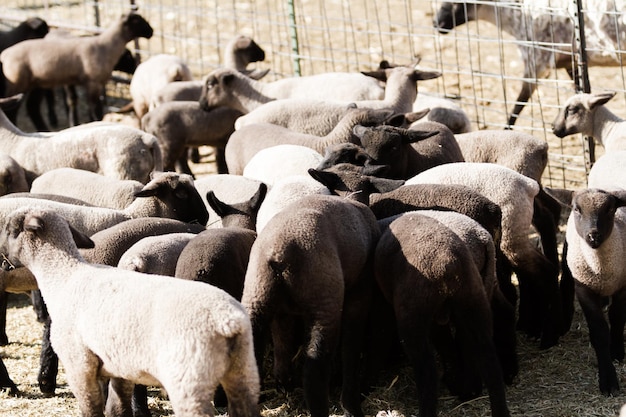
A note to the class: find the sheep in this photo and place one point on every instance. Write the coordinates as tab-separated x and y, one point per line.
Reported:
155	255
88	61
238	53
107	148
166	195
407	153
280	161
95	189
595	244
313	259
587	114
220	256
425	269
319	116
218	339
228	87
540	309
152	75
245	142
179	125
534	23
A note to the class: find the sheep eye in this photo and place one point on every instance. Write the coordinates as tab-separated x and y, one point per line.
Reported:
572	110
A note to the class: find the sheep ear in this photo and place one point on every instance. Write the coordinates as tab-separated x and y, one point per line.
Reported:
82	240
8	103
561	195
600	99
396	120
257	74
33	223
326	178
620	196
419	135
228	78
425	75
380	75
416	115
384	185
220	208
375	170
384	64
258	197
149	190
359	131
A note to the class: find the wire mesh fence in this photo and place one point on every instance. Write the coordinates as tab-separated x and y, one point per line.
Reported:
480	61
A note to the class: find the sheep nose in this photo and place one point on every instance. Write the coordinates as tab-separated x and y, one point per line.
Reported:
594	239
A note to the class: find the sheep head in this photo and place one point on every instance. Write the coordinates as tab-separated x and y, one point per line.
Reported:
578	113
451	15
28	230
135	26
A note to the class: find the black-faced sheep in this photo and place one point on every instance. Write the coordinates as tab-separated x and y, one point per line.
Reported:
312	260
534	23
86	61
217	344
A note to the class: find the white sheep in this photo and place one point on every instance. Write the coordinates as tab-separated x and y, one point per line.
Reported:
280	161
89	61
587	114
245	142
534	23
151	76
215	347
540	308
95	189
319	116
107	148
167	195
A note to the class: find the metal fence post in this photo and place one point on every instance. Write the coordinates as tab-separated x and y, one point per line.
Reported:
295	47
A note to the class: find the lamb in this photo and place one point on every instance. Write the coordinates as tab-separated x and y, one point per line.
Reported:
533	24
238	53
244	143
417	256
166	195
587	114
152	75
179	125
218	339
271	164
540	309
107	148
320	243
89	61
95	189
220	256
406	153
315	116
595	245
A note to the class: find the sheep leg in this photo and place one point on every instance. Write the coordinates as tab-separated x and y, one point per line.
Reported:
52	114
71	98
118	403
617	320
82	376
5	380
592	305
474	327
220	160
546	223
414	323
94	98
504	337
182	164
566	287
241	379
454	376
48	363
4	338
33	108
285	341
140	401
524	95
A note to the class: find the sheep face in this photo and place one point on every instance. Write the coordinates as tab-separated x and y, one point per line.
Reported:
451	15
136	26
215	89
594	214
578	113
